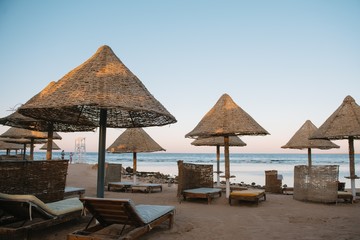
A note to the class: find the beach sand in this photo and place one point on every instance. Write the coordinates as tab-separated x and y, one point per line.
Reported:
279	217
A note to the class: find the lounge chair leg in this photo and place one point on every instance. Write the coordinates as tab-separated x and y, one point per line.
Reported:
171	221
92	218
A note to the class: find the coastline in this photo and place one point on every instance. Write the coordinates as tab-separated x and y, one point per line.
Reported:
246	167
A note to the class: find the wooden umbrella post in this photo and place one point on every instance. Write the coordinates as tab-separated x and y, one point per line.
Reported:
309	157
50	142
352	165
227	165
32	149
134	167
218	165
24	155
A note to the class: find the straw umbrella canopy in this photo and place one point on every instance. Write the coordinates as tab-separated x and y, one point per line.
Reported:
134	140
20	121
105	92
54	146
226	119
344	123
18	133
218	141
9	146
301	140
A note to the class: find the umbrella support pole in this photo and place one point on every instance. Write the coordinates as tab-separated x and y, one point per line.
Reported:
227	165
352	165
134	167
218	165
50	142
101	156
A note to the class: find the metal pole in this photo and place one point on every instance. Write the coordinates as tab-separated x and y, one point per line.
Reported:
101	156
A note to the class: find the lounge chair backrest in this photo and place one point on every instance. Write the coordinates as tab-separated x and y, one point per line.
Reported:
113	211
22	205
29	206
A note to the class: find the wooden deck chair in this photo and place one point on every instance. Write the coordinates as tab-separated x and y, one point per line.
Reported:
21	213
122	216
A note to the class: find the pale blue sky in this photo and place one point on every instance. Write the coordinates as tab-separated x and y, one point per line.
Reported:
283	62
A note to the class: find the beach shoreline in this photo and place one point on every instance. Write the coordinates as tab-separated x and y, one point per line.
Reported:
279	217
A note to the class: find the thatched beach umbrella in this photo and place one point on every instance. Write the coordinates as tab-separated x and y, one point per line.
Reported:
226	119
18	133
218	141
54	146
105	92
20	121
25	143
344	123
301	140
134	140
9	146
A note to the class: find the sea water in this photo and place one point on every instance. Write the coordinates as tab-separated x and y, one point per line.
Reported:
247	168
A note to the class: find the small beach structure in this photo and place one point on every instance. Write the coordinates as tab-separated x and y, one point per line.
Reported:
218	141
226	119
301	140
134	140
344	123
101	92
54	146
19	133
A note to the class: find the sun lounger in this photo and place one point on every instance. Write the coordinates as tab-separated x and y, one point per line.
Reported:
146	187
122	216
207	193
71	191
127	186
346	196
252	195
22	213
288	190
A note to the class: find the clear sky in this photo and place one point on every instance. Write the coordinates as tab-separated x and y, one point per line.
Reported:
283	62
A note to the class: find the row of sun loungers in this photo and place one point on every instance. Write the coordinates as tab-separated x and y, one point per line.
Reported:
20	214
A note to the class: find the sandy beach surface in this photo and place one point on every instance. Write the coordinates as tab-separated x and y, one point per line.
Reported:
279	217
